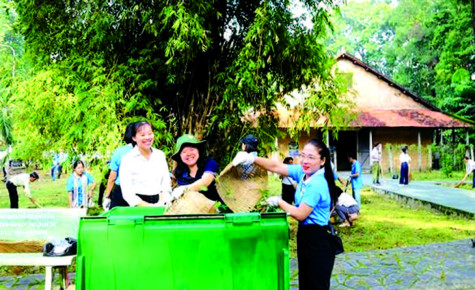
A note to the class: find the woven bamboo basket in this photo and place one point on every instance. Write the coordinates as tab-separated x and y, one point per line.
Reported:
242	189
192	202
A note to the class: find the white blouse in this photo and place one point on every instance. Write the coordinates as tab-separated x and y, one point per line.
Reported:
404	157
142	176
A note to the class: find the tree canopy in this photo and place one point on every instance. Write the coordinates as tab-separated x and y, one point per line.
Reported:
425	45
201	67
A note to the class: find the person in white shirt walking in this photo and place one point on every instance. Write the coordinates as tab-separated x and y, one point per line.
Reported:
144	176
469	168
405	161
375	157
24	180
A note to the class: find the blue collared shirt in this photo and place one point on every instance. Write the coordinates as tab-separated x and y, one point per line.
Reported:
356	182
314	192
117	158
70	185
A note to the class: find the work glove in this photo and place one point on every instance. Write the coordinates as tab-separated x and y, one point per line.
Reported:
244	158
178	192
106	203
273	200
165	199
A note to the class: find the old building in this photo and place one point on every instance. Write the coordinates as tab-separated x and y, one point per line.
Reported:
386	113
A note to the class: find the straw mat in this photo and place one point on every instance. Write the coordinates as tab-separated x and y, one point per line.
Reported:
21	247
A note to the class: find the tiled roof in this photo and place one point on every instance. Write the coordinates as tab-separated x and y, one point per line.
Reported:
407	118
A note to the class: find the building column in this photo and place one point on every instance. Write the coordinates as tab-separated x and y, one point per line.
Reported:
467	143
419	150
390	157
357	146
453	147
429	158
370	140
471	148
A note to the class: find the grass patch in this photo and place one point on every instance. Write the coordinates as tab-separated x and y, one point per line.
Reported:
433	175
385	223
49	194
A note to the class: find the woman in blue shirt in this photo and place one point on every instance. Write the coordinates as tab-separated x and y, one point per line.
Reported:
113	193
314	197
77	184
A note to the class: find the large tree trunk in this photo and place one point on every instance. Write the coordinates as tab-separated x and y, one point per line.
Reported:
472	3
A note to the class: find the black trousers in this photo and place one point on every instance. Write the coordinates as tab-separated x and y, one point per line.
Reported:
288	193
116	197
149	198
316	257
13	193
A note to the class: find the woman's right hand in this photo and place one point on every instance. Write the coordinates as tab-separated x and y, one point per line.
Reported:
178	192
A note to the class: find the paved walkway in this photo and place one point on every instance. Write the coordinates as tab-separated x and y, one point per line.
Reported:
437	266
460	200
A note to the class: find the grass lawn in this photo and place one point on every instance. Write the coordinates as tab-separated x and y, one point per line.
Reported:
47	193
384	223
434	175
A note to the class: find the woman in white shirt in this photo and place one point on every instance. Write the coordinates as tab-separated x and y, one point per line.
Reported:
144	176
405	161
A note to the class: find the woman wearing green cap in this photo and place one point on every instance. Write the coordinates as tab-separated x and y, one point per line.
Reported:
194	170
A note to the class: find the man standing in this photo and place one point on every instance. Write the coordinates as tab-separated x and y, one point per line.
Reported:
356	178
24	180
376	168
470	167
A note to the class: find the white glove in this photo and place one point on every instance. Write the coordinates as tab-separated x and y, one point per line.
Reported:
178	192
244	158
106	203
165	199
274	200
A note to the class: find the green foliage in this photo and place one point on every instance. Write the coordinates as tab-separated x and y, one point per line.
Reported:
10	48
415	225
426	46
212	68
450	157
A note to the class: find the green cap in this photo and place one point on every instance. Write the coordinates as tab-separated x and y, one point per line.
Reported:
183	140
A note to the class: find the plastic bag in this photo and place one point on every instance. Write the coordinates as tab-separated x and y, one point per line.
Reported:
58	248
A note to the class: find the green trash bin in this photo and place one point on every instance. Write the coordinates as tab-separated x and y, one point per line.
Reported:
224	251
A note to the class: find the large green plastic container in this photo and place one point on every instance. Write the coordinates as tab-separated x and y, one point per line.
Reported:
126	250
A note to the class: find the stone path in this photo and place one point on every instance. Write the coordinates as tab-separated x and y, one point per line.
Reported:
437	266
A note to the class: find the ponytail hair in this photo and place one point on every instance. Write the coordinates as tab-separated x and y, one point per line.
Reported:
325	154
